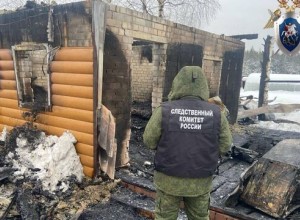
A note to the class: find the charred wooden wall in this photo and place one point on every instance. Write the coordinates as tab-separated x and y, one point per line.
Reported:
71	25
72	98
230	81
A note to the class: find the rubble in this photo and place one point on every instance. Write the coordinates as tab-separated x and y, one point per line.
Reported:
49	159
250	144
271	184
41	177
102	198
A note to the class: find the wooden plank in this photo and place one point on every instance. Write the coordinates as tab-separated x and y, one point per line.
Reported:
218	181
8	84
138	181
71	113
72	67
62	112
7	75
139	190
233	174
219	196
85	149
271	187
5	54
135	200
286	151
72	102
277	108
86	160
65	123
80	136
9	103
6	65
9	94
2	126
73	91
88	171
74	54
145	187
72	79
227	165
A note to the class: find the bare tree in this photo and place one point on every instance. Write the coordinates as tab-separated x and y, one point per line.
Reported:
191	13
14	4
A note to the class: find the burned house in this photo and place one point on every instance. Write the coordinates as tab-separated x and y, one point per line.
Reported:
82	62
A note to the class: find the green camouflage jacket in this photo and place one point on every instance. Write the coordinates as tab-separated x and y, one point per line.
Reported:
183	87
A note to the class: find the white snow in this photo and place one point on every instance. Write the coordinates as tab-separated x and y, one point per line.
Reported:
52	161
253	80
3	134
277	126
279	93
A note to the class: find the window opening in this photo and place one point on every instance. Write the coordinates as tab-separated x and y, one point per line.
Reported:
31	63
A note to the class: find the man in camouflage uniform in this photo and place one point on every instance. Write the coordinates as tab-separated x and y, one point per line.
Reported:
189	134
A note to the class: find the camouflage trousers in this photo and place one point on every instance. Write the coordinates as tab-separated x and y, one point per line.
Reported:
167	206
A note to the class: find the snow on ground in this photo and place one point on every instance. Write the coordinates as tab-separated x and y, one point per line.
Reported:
279	93
52	160
3	134
283	97
279	97
277	126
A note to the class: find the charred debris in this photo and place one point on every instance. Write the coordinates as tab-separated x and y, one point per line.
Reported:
131	195
23	194
251	164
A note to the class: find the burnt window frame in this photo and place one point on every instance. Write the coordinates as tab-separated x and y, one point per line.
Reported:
31	46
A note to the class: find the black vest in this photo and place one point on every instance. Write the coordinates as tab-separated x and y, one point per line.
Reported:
189	144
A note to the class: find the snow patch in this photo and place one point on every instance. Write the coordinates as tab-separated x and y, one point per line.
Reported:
277	126
3	134
292	116
279	93
52	160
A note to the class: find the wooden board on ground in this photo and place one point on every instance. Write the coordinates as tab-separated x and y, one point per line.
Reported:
273	185
278	108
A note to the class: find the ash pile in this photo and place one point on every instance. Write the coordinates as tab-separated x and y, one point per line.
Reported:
41	176
141	158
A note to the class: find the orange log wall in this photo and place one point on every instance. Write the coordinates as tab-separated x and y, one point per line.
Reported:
71	97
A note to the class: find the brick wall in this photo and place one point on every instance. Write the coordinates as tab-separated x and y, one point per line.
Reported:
128	25
33	64
123	27
141	73
212	68
73	27
159	62
117	88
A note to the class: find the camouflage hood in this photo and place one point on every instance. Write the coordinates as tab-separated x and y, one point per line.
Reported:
190	81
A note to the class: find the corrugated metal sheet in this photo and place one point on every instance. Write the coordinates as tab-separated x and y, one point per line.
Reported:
72	99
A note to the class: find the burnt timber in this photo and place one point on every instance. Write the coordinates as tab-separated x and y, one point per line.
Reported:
224	183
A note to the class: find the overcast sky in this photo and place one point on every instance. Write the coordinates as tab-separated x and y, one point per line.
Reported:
243	17
235	17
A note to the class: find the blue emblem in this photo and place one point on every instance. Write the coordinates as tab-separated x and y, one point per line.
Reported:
289	33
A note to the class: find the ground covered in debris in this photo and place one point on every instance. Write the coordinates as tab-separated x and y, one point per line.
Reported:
25	198
255	140
40	179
